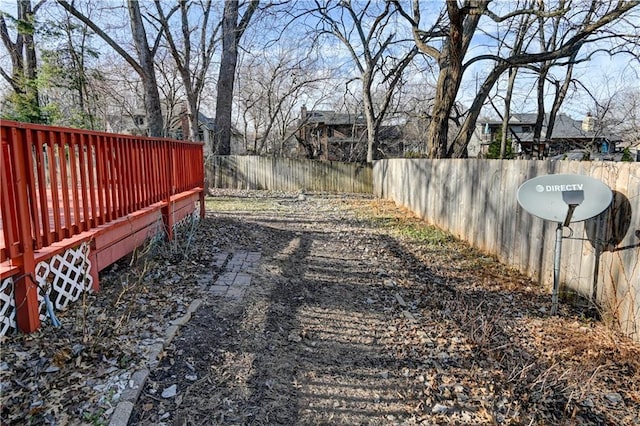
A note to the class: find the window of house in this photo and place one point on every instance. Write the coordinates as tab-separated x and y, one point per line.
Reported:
138	120
526	129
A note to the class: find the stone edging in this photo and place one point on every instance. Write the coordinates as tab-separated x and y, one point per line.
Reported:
130	395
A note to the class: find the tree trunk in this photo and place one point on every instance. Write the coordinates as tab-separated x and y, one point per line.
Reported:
226	77
537	128
461	29
459	147
507	111
561	94
448	84
149	83
369	116
23	78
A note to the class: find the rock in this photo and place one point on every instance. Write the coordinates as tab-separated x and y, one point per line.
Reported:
614	398
293	337
170	392
439	409
408	315
588	403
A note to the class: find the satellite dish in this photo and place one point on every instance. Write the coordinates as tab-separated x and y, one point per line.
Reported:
564	197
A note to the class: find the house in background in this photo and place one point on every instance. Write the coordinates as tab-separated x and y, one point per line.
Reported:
335	136
568	135
132	122
176	127
179	129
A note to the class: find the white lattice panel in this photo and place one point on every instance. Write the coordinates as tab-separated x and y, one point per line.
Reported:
43	277
64	277
71	275
7	307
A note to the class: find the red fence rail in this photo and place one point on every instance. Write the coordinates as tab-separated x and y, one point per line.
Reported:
66	181
57	183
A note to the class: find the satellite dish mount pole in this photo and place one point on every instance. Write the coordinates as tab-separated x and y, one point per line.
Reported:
573	200
556	269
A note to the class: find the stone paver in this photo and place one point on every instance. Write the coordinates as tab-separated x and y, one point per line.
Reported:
235	278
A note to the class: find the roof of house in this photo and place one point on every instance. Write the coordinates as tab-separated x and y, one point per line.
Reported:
564	128
207	123
333	118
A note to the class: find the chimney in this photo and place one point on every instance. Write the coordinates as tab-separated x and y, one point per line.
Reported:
589	123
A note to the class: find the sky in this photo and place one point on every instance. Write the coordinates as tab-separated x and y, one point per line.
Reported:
602	76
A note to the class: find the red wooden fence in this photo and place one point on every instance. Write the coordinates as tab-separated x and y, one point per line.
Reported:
58	185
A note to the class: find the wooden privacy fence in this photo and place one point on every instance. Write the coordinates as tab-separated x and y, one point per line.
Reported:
64	187
286	174
476	200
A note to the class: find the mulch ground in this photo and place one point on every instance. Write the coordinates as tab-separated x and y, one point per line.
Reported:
358	313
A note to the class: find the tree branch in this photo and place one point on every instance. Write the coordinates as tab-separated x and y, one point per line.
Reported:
112	43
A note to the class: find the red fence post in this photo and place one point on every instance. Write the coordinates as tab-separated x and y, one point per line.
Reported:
167	215
26	289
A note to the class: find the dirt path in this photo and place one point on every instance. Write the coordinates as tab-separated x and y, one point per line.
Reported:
319	309
346	321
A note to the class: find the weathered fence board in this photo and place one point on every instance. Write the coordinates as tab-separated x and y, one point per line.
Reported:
286	174
476	201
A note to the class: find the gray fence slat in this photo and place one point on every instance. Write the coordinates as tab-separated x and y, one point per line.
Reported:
490	219
285	174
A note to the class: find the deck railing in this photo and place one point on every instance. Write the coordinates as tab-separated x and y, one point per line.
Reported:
57	183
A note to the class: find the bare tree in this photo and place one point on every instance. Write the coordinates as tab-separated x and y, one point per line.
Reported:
367	31
274	82
626	116
120	93
232	31
193	69
448	41
144	66
522	28
172	92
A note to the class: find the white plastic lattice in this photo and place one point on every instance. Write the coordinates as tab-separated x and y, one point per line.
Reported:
71	275
65	277
7	307
42	278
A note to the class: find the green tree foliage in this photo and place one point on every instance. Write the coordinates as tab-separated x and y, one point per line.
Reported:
23	105
626	155
17	35
494	147
67	81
